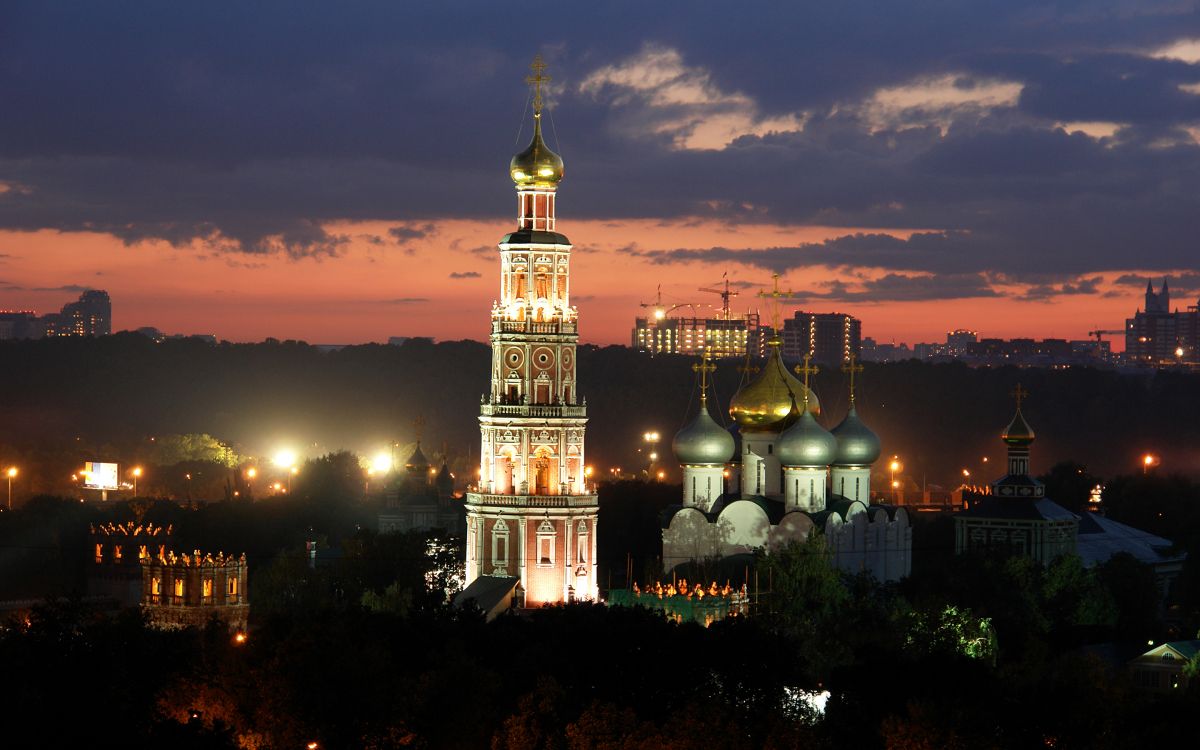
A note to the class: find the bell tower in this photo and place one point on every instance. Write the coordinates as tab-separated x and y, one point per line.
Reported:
533	512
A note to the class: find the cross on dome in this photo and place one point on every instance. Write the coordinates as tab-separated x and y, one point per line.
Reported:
852	368
807	369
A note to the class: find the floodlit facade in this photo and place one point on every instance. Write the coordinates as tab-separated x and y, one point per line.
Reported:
720	337
532	515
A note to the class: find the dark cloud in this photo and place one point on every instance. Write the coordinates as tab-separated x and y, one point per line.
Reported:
1044	292
130	120
72	288
1185	282
405	234
465	274
903	288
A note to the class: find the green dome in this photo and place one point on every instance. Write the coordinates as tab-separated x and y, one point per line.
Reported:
703	441
537	165
807	444
856	444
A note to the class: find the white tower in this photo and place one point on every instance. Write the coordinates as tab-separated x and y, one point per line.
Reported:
533	515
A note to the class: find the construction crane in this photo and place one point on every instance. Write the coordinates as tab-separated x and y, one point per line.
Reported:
725	295
1100	334
660	310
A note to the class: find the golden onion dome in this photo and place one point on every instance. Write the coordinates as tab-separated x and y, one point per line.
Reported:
537	165
1018	432
766	404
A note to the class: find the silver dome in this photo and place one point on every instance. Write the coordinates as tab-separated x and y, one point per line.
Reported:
807	444
856	444
703	441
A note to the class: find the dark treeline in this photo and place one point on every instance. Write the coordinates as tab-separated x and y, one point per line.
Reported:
104	396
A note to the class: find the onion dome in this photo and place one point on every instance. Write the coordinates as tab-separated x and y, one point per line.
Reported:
1018	433
856	444
417	461
807	444
703	441
767	403
537	165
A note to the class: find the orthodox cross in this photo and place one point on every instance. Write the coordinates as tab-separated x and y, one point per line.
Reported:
749	368
807	369
704	367
852	368
1019	394
536	80
776	294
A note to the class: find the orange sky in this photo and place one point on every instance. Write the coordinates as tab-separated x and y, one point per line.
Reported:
371	291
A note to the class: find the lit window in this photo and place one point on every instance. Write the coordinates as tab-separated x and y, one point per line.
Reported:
99	553
178	587
545	544
116	553
156	586
231	586
206	588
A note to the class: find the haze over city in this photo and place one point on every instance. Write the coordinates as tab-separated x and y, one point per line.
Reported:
340	177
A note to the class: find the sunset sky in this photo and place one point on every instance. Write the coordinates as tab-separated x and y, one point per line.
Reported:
338	174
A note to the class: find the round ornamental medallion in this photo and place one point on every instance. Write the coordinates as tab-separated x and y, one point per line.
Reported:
543	358
513	358
567	359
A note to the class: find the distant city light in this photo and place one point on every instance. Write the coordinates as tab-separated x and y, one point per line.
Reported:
251	472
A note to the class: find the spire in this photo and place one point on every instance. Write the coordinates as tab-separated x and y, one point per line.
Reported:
852	368
805	370
775	295
704	367
537	165
536	80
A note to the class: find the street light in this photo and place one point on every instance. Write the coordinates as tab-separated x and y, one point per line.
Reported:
894	466
11	473
1148	460
137	472
284	458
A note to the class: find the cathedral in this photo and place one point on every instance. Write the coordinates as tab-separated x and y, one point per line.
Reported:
531	520
789	479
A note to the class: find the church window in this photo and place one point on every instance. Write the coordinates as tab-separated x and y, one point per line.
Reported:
142	553
545	544
116	553
155	588
500	543
178	588
581	549
206	589
231	587
99	553
770	449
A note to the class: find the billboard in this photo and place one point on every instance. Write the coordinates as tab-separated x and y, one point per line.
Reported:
100	476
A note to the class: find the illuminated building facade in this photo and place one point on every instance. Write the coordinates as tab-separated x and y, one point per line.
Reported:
117	553
532	516
1157	336
720	337
180	591
829	338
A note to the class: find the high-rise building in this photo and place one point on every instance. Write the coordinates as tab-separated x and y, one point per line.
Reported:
532	518
959	341
720	337
90	315
831	338
1157	336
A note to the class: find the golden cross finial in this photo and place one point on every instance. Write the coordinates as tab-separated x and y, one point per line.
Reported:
418	425
852	368
704	367
1019	394
536	80
775	294
748	368
806	370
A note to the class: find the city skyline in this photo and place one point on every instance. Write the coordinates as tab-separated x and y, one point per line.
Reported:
340	180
